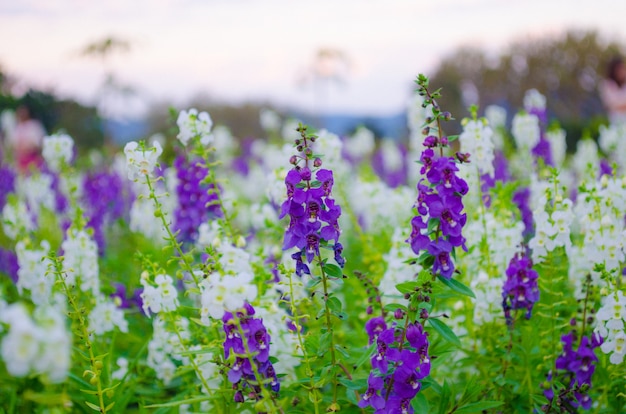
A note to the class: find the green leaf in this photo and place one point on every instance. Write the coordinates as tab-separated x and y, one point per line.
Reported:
443	330
332	270
433	223
179	402
479	406
407	287
420	404
390	307
457	286
334	304
92	406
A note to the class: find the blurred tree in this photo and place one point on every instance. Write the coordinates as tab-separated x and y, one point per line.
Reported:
566	69
81	122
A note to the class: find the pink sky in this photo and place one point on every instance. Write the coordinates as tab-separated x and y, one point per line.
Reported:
245	49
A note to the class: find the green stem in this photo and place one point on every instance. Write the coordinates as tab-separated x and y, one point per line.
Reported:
329	328
305	357
83	334
259	379
170	236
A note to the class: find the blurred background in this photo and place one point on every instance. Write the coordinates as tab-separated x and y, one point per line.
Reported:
109	72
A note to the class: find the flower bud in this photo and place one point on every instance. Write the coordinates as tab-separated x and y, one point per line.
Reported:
317	162
398	314
293	160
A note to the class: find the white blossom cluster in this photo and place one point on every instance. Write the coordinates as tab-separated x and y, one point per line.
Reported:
610	321
330	146
284	342
228	289
37	191
141	161
552	230
193	124
378	206
57	150
33	272
160	298
504	237
496	115
360	144
612	141
558	146
39	345
16	219
488	302
165	347
80	263
477	140
526	131
599	212
270	120
586	160
533	99
105	316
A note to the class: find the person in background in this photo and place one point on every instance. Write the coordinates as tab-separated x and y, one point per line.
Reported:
27	140
613	91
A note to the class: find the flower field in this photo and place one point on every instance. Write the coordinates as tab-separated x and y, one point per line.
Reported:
302	272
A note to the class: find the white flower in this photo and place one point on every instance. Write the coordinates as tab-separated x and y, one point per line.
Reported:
533	99
361	143
270	120
16	219
225	293
40	345
81	259
526	131
162	298
57	150
193	124
140	161
558	144
32	273
476	139
105	316
120	373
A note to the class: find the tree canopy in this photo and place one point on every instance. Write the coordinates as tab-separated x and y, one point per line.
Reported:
566	69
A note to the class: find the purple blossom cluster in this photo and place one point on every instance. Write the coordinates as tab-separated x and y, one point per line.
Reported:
521	199
105	201
576	369
196	203
400	362
438	226
7	184
313	213
542	149
520	290
9	264
241	373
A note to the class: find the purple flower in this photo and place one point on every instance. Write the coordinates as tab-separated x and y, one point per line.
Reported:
196	201
9	264
374	327
443	265
7	184
521	198
105	199
574	370
257	340
372	395
400	363
313	213
520	290
438	227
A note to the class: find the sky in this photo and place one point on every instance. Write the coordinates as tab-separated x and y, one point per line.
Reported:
265	50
